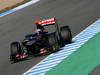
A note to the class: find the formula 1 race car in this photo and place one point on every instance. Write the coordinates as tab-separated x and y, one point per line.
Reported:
42	41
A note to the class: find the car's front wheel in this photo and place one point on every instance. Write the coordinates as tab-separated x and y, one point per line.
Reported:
14	49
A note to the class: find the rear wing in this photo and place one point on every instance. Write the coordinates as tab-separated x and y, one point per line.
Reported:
46	22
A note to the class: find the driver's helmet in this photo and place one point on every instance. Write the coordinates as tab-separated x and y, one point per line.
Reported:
39	28
38	31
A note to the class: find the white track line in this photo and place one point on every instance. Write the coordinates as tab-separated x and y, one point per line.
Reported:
19	7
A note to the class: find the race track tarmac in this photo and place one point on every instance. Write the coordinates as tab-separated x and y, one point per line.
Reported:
78	14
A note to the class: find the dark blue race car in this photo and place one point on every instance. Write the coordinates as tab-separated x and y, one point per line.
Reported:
41	42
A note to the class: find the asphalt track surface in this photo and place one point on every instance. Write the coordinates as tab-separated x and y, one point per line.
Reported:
78	14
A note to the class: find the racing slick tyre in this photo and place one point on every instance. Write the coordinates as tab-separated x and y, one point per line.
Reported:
53	42
15	49
66	36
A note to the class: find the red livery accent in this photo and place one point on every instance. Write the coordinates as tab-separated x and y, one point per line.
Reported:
46	22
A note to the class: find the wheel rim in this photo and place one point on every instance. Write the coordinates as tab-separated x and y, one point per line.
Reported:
55	47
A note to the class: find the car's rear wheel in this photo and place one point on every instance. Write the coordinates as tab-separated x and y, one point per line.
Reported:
66	36
15	49
53	42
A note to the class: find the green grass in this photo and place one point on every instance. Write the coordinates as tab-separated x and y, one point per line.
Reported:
81	62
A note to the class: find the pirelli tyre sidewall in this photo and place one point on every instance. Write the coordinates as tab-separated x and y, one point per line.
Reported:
66	36
14	49
53	42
